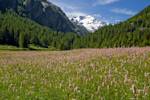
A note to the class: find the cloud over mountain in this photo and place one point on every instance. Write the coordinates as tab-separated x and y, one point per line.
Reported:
104	2
123	11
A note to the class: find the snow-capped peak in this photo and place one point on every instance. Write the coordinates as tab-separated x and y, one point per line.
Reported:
89	22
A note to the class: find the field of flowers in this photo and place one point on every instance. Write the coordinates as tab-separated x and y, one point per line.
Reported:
85	74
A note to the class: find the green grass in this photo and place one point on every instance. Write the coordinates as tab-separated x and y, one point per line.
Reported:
9	47
31	47
38	48
41	77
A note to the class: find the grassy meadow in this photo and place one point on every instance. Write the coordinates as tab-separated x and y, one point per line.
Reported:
85	74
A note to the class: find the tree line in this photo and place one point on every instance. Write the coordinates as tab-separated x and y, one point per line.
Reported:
21	31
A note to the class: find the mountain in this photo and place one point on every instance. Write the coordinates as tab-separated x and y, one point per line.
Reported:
132	32
89	22
43	12
19	26
23	32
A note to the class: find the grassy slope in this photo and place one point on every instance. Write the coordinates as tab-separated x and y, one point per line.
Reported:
88	74
31	47
9	47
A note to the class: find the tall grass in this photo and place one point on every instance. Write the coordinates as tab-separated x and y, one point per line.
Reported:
120	74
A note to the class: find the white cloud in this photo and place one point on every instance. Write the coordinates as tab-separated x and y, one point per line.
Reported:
97	15
104	2
64	6
123	11
72	9
69	9
76	13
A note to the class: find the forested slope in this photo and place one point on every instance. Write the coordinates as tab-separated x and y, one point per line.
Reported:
133	32
19	31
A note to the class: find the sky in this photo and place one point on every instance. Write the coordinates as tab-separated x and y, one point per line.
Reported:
110	11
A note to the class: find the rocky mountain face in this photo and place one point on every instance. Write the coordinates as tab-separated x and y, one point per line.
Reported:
89	22
44	13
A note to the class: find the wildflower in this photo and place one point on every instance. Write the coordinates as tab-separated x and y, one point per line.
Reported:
134	90
146	74
146	90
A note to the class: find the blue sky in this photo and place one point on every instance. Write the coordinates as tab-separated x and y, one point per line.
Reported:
107	10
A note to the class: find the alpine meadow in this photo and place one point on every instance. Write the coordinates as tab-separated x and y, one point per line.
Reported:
63	50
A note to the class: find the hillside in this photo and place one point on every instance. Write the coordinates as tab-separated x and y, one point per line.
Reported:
133	32
44	13
19	31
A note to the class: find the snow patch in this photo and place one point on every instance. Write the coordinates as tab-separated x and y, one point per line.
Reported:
89	22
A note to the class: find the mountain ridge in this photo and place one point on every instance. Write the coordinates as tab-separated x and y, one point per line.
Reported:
133	32
44	13
22	31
